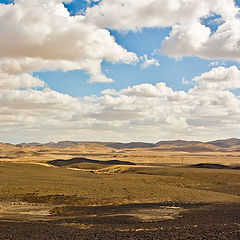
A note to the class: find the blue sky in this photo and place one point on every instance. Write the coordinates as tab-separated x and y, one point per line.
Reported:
119	70
147	41
170	71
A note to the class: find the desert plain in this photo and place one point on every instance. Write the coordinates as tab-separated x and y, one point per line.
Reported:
91	190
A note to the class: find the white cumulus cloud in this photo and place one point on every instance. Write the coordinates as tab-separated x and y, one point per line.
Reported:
145	111
189	36
41	35
146	62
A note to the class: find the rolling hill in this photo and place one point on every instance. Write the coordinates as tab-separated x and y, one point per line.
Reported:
223	145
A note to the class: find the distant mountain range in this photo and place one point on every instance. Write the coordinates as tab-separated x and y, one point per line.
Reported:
183	145
61	144
232	144
131	145
226	143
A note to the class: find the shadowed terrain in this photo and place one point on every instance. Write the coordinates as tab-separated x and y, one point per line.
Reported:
85	160
214	166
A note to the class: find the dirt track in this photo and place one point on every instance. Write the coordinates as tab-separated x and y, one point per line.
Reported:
197	222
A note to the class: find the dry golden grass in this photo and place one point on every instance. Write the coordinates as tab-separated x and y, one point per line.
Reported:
159	155
26	176
35	183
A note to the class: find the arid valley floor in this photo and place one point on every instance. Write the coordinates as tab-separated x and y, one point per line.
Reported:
71	190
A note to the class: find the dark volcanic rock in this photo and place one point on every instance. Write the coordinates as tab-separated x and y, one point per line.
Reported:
215	222
61	162
210	165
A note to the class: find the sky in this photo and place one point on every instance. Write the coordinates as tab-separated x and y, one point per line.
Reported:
119	70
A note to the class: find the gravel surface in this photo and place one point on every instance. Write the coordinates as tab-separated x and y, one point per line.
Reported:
216	221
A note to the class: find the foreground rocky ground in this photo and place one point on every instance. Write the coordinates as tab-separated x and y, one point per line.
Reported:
210	221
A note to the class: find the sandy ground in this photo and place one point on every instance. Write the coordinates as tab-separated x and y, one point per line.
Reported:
23	210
